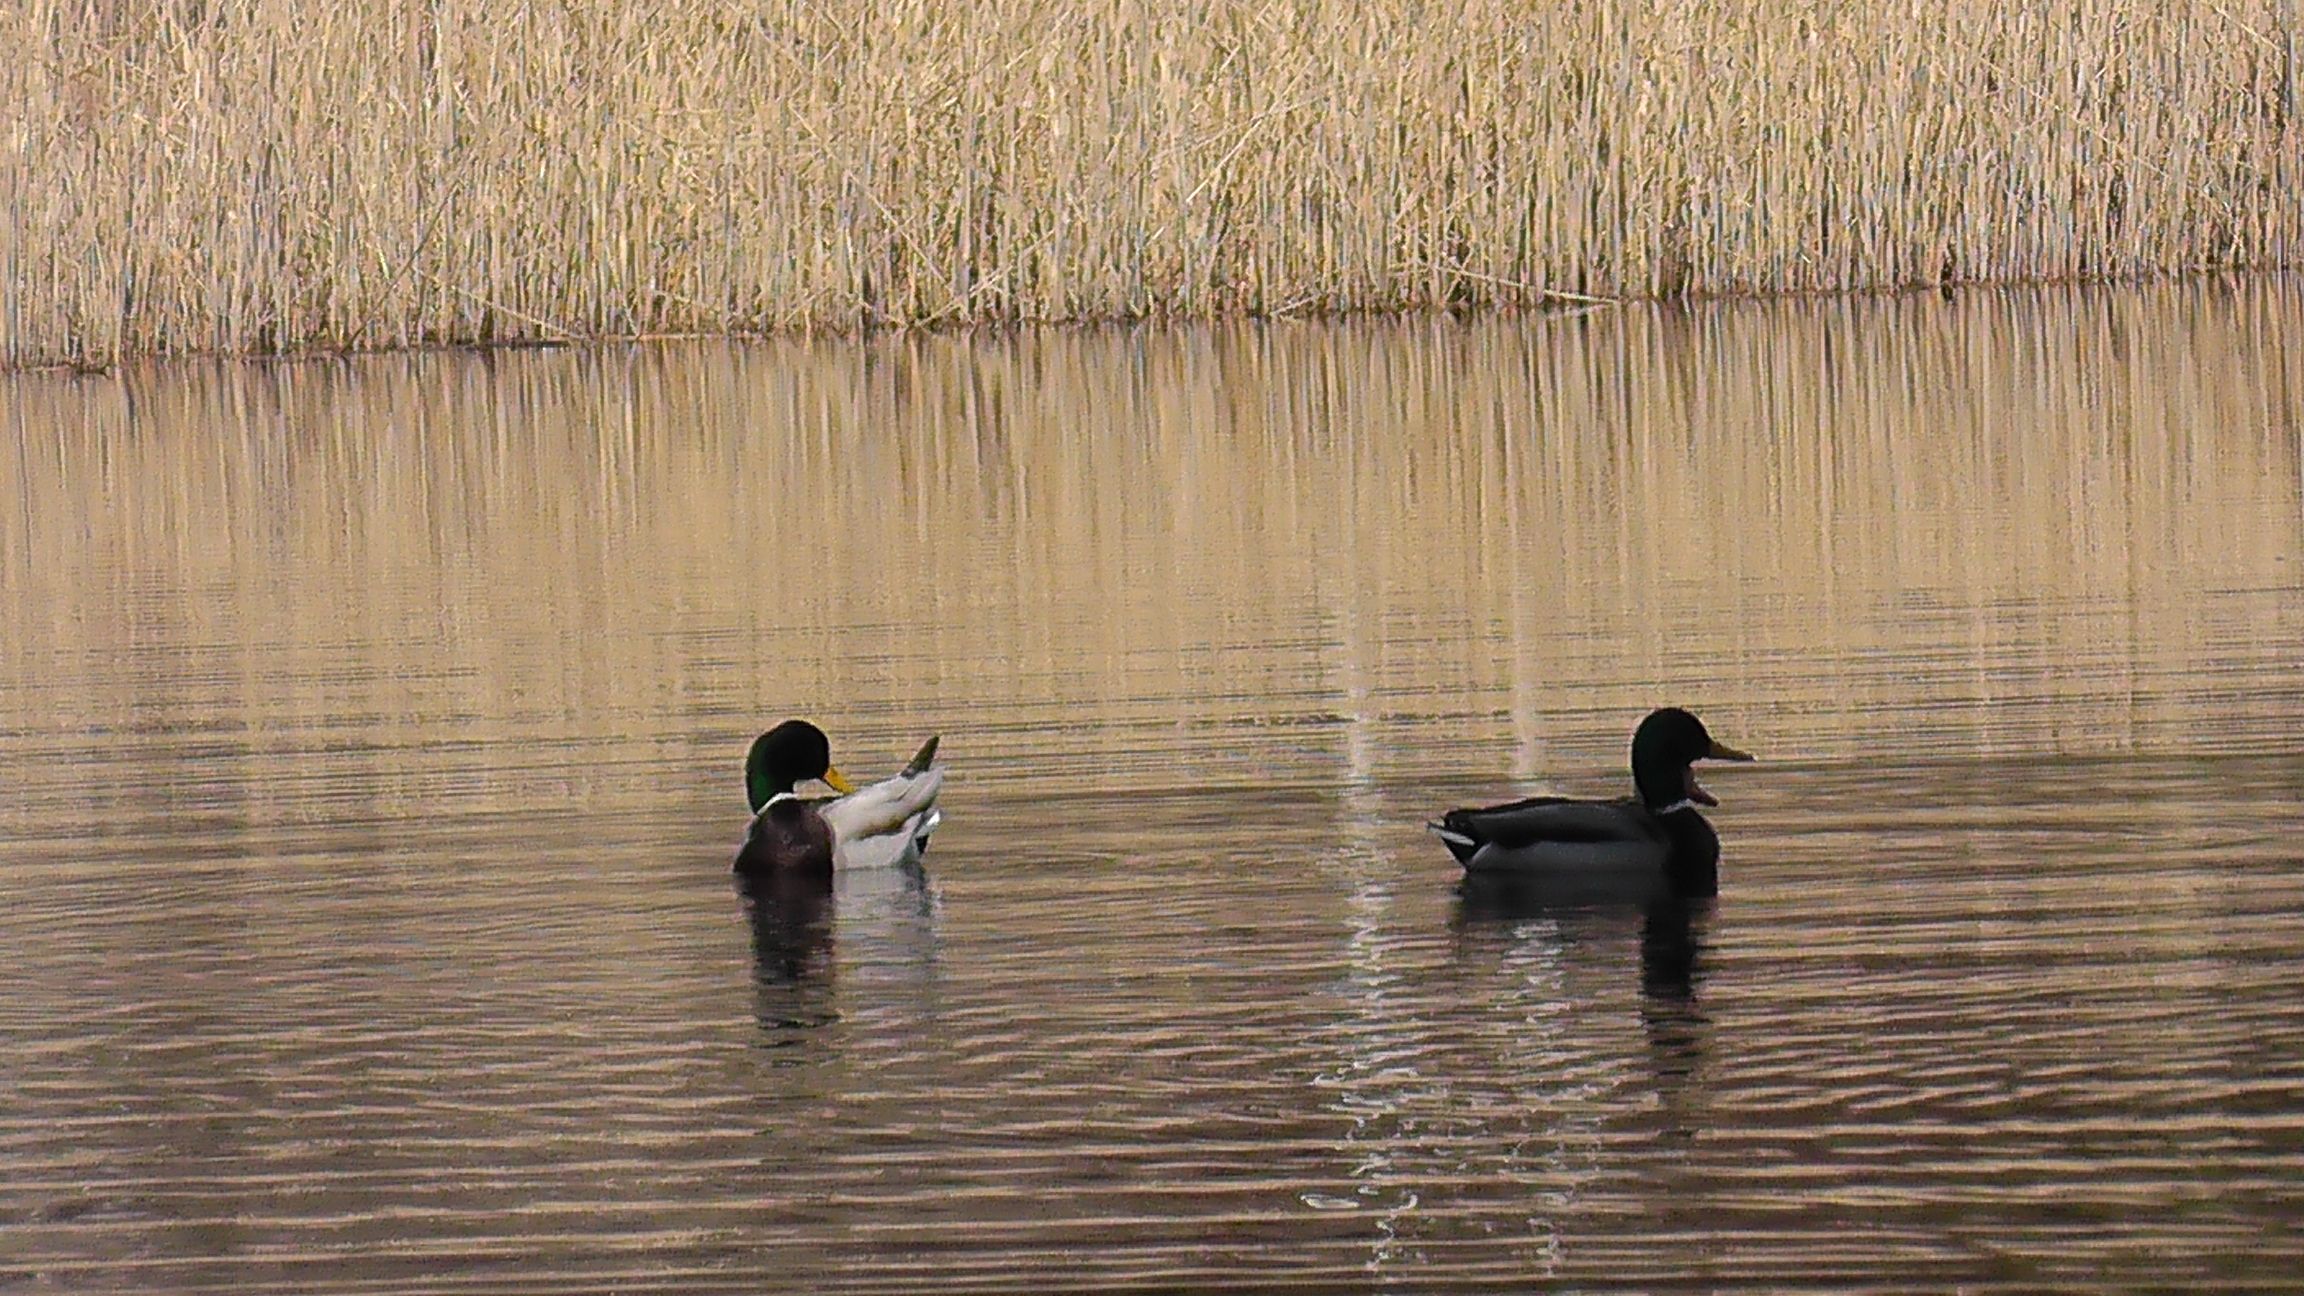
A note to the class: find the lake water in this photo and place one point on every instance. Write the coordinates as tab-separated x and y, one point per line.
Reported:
372	734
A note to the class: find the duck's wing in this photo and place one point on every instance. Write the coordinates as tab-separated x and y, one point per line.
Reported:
1578	847
895	849
903	808
1546	819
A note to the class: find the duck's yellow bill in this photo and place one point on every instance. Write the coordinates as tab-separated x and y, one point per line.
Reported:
1722	751
841	785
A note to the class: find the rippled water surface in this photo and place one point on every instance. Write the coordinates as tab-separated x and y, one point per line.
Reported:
371	735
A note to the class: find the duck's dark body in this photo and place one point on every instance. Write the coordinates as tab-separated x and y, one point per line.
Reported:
788	836
1647	846
1600	847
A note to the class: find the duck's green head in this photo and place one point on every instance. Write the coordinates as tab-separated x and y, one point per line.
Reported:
789	754
1664	747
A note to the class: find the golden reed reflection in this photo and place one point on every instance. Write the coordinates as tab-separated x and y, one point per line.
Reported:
2033	520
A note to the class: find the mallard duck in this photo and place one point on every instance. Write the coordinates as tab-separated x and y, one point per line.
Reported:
1654	842
883	824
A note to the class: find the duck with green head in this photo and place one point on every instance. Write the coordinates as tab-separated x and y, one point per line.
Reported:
1651	843
881	824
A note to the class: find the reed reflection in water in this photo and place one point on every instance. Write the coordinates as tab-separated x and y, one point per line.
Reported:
373	732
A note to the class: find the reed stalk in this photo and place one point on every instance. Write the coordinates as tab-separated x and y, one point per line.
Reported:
257	175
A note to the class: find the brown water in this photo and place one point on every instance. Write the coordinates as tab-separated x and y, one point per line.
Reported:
371	734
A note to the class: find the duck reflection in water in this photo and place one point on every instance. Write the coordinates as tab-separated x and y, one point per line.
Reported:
792	925
1672	935
792	928
879	922
1672	942
1672	930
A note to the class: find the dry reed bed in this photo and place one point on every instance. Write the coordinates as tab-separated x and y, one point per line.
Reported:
236	175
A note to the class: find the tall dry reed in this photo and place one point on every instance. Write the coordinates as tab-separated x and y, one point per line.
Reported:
237	175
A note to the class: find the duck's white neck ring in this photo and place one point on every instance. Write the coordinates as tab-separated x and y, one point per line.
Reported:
1676	807
781	796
